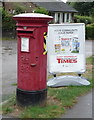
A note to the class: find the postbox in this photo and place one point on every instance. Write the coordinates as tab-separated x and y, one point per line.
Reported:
32	58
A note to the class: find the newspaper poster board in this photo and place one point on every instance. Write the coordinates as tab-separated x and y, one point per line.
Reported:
66	48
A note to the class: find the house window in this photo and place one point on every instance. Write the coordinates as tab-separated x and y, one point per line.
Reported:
67	17
58	18
63	17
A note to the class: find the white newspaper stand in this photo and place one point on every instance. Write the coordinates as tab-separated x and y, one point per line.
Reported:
66	53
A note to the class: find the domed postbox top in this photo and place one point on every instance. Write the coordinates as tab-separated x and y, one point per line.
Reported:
32	16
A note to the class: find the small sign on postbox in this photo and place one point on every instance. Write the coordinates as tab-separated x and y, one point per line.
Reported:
66	48
24	44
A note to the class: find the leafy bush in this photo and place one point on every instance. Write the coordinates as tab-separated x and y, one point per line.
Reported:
0	18
19	9
7	24
83	19
90	31
41	10
7	21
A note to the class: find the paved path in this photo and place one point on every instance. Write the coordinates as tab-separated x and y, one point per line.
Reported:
83	109
88	47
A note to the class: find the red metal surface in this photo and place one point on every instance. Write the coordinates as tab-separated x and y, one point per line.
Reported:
32	65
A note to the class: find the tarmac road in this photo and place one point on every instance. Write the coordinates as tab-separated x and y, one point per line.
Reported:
9	68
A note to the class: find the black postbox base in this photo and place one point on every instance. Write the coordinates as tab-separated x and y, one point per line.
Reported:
27	98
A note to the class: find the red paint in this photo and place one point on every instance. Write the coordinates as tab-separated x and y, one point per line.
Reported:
32	65
67	60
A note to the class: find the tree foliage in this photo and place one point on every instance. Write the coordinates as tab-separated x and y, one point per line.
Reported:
83	8
41	10
7	21
19	9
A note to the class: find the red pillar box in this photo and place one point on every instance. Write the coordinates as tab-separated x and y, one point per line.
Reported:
32	58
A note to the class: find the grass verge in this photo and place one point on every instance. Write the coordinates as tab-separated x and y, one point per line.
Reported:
14	84
7	38
58	101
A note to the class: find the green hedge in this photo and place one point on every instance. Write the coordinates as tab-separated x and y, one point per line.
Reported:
41	10
7	21
90	31
84	19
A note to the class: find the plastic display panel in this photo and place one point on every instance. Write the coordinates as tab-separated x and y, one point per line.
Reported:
66	47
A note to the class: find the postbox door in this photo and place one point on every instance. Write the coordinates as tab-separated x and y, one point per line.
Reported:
28	63
31	61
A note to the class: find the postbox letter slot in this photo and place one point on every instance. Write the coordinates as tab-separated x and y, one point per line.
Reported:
26	32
